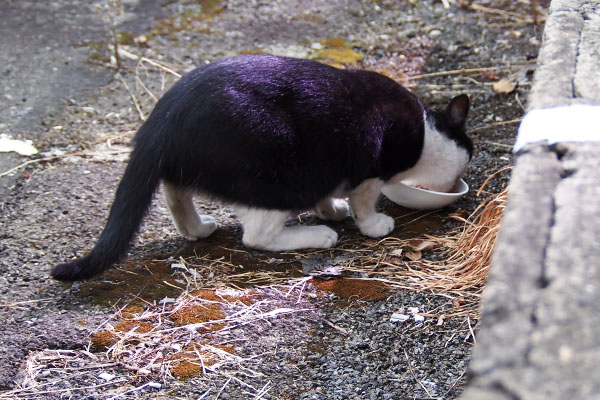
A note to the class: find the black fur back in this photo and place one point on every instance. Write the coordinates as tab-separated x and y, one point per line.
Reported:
283	133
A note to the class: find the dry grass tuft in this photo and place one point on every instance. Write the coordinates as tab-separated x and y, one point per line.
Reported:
459	273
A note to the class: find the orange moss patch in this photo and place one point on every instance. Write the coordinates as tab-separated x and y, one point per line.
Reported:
359	289
186	369
226	348
188	363
197	313
103	340
206	294
139	326
130	311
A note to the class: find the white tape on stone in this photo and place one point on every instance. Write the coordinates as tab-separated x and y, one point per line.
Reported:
576	123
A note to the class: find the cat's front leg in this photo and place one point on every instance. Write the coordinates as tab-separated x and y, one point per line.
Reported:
333	209
265	230
363	200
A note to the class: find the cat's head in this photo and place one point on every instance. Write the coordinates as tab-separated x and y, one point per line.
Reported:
447	149
452	122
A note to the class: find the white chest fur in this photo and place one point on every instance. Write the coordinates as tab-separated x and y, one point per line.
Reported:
441	164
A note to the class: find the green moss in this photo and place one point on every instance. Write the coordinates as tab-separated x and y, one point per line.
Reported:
126	38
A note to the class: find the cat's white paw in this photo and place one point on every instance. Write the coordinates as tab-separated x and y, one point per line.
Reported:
203	227
293	238
324	237
333	209
376	225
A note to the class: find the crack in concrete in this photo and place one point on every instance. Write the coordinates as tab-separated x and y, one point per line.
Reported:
574	91
501	388
544	281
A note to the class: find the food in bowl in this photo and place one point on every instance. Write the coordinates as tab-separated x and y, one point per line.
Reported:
421	198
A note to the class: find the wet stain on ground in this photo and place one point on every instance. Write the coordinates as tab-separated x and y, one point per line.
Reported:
139	282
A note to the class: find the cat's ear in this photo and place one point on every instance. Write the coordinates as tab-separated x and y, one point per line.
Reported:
457	110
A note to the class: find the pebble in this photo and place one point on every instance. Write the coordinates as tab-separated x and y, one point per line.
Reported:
435	33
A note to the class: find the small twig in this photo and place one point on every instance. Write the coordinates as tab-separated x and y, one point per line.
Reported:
452	387
222	388
336	327
132	95
413	374
495	124
143	85
158	65
471	330
206	394
453	72
75	389
506	146
519	102
18	303
418	218
265	389
30	162
489	178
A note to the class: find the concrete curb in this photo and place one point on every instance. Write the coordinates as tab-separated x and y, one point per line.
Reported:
540	307
567	71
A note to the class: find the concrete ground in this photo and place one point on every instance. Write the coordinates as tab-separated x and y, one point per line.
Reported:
44	66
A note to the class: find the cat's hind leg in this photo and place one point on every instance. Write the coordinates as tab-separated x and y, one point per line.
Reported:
189	224
266	230
333	209
363	200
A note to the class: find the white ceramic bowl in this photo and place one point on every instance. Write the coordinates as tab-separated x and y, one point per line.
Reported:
422	199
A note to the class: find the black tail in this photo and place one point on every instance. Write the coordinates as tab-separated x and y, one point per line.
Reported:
132	201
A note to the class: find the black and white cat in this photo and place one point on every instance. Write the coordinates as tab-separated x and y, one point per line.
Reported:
270	134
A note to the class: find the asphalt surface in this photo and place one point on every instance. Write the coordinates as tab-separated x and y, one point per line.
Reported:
45	64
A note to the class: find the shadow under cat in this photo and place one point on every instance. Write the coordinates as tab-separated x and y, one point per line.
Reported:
222	257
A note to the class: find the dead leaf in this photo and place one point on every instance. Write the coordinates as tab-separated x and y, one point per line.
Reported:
334	43
414	255
457	302
330	271
396	253
489	75
421	245
504	86
459	215
339	55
